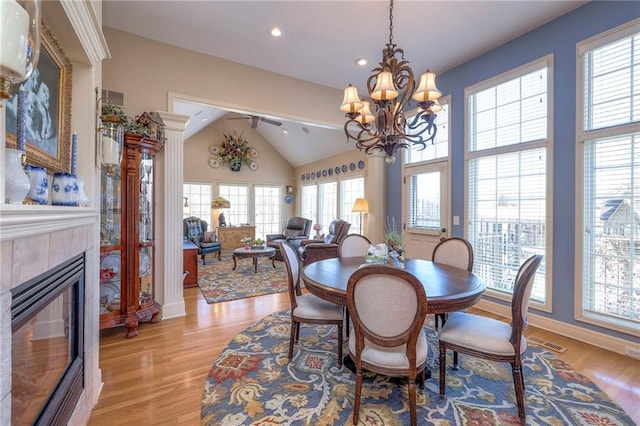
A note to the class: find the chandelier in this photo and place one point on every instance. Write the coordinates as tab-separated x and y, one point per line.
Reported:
391	86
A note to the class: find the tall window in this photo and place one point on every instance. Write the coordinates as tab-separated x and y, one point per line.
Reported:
424	201
609	147
309	202
267	210
238	196
507	150
328	203
350	189
198	199
439	149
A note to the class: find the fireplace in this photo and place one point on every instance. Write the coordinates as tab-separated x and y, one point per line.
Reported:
49	334
47	352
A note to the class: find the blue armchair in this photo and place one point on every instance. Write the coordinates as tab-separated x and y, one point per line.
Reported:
195	229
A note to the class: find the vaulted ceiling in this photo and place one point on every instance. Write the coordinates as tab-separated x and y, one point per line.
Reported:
322	39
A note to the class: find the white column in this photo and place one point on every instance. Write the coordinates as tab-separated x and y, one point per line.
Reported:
374	192
173	300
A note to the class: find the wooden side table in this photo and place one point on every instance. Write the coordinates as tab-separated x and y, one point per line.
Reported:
190	263
231	236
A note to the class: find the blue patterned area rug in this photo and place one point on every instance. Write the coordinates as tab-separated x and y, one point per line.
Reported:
251	383
219	283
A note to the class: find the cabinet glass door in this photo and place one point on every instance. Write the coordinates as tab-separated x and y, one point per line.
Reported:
145	229
146	275
110	207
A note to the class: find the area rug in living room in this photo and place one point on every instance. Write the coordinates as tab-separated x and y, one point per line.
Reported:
252	383
219	283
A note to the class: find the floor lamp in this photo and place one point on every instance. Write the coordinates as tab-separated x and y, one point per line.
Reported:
360	206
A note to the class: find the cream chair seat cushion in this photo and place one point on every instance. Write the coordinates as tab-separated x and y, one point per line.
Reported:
480	333
312	307
390	358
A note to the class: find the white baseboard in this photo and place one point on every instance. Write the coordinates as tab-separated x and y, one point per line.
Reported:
610	343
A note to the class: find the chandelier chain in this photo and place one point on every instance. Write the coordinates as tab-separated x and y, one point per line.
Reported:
391	22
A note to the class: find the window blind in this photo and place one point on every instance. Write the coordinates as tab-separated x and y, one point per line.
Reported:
507	119
309	202
423	210
611	179
267	208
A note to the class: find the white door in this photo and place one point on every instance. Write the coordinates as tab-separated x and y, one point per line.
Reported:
426	201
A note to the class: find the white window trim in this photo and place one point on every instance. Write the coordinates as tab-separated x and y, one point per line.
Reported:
589	44
545	61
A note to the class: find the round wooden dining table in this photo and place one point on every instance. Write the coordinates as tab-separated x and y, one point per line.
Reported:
448	289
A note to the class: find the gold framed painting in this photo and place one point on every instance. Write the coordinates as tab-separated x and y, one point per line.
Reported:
47	108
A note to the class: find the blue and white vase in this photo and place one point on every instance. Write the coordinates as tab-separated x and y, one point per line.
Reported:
64	190
39	190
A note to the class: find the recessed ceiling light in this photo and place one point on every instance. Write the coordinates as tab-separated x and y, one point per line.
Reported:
361	62
285	131
275	31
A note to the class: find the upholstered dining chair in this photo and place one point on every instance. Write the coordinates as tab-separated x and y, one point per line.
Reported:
493	339
353	245
456	252
307	308
387	307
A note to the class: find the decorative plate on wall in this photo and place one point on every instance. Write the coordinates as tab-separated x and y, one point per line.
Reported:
318	174
313	175
213	163
324	173
288	199
344	168
214	149
330	172
253	165
337	170
308	176
302	176
361	164
352	166
253	153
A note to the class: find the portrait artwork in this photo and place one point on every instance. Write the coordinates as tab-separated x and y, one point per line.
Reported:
47	109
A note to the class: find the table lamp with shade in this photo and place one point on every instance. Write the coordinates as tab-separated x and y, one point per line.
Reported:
317	227
219	204
19	52
360	206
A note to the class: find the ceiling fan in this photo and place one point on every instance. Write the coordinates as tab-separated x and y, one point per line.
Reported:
255	119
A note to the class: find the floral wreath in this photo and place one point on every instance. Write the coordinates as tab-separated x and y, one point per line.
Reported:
235	150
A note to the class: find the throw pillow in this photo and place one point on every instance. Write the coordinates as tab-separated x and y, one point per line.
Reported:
210	237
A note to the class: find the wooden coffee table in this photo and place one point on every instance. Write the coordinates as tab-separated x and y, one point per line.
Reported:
242	253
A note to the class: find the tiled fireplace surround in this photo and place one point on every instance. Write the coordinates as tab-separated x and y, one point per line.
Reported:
33	239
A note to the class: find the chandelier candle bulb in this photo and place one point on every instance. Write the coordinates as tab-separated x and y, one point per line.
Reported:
110	151
427	90
385	90
15	32
351	101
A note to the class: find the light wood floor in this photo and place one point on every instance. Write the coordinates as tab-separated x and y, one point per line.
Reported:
158	377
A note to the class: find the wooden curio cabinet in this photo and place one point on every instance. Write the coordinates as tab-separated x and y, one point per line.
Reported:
127	247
